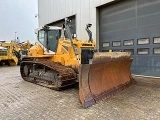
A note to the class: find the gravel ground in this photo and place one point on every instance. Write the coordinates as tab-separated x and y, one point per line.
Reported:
21	100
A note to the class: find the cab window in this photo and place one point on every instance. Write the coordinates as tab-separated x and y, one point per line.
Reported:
53	37
41	37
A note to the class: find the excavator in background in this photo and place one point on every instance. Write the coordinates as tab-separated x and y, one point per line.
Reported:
11	53
59	60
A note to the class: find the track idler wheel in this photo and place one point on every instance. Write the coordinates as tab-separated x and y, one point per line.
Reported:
26	70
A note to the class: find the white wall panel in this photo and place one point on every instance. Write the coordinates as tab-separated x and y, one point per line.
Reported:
47	9
62	8
54	11
69	7
75	6
105	1
85	11
56	5
84	18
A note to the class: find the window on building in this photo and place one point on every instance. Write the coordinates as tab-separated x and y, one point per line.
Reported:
156	40
143	51
116	43
128	42
156	50
143	41
129	50
105	44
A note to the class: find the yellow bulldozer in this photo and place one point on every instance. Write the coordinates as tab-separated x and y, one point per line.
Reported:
59	60
11	53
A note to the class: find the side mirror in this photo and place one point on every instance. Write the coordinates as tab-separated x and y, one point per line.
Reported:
89	25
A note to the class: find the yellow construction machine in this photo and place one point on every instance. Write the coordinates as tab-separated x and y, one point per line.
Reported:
11	53
59	59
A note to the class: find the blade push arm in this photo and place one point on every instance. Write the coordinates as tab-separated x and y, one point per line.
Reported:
67	21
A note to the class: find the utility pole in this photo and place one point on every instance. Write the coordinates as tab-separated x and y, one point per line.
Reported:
15	36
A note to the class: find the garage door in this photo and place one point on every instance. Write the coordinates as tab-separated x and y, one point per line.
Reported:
59	23
134	26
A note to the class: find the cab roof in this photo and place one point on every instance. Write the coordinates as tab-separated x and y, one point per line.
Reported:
50	28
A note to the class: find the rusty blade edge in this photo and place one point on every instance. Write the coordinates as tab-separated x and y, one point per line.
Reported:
89	103
109	93
85	94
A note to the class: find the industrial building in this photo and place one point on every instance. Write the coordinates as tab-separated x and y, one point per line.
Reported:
118	25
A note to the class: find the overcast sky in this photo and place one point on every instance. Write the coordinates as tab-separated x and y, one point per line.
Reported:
18	16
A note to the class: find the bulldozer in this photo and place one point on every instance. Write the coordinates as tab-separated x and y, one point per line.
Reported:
59	60
11	53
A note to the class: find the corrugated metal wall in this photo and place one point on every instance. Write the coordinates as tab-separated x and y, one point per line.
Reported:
54	10
84	10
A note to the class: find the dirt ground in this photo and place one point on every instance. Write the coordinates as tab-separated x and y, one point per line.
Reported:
21	100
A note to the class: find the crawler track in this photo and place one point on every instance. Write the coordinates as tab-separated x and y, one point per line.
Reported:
48	74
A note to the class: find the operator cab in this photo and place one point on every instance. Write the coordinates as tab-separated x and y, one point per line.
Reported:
48	37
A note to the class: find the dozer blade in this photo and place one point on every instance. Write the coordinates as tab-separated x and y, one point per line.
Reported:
108	74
